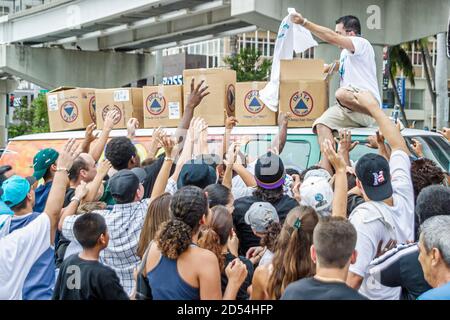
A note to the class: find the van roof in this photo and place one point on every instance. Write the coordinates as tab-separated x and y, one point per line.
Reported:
211	130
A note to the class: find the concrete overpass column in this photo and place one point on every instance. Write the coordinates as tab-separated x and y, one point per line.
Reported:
6	86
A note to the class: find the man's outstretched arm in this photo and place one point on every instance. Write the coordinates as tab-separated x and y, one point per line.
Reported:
324	33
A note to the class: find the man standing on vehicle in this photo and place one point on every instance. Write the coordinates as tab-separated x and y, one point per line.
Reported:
357	71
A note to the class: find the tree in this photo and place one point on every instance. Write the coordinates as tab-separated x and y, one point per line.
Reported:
400	61
30	119
249	65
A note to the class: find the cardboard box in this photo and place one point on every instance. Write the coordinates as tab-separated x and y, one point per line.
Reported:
70	108
128	101
221	83
303	90
163	106
250	110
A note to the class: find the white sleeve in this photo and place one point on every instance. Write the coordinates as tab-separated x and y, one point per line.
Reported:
19	251
67	228
365	247
242	192
360	45
400	167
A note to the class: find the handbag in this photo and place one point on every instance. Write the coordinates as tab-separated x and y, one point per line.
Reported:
143	289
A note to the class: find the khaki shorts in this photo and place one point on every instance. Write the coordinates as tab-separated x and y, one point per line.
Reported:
338	117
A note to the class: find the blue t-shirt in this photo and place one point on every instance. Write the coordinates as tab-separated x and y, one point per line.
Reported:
439	293
41	195
40	281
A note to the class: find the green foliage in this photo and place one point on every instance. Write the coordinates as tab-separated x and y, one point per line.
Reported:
249	65
400	61
33	119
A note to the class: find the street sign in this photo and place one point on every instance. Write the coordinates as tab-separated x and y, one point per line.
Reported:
401	90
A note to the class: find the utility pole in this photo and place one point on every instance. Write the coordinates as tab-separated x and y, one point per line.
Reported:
441	82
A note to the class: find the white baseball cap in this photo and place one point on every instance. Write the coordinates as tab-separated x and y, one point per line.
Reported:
316	192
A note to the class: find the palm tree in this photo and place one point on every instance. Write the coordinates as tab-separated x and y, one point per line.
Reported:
400	61
422	44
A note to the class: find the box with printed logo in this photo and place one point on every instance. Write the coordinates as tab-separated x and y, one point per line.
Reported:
70	108
127	101
221	85
163	105
303	90
250	110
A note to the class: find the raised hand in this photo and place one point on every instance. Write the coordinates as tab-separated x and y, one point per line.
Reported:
336	159
67	155
445	132
283	118
110	120
345	144
236	272
81	191
230	122
169	145
417	147
197	94
89	135
103	168
132	125
297	18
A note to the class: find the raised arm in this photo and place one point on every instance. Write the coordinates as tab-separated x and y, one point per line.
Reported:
324	33
55	199
345	145
280	139
390	132
230	123
340	181
97	149
94	186
89	137
80	193
188	149
132	125
170	150
195	97
230	160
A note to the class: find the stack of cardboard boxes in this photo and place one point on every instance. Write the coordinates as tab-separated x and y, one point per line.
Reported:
303	93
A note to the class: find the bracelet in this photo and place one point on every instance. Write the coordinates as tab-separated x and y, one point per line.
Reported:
169	159
75	198
62	169
304	21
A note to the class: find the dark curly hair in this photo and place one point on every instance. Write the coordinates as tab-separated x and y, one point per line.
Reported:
187	207
270	237
267	195
292	259
119	151
425	172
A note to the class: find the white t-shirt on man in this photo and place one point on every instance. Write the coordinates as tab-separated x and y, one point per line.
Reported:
18	252
358	69
375	221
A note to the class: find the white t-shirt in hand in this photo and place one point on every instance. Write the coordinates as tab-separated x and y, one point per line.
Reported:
358	69
375	221
18	253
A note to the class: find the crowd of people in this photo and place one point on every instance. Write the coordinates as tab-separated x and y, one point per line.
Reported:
186	224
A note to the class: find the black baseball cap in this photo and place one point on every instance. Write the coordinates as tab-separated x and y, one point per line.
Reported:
196	173
125	183
269	171
374	173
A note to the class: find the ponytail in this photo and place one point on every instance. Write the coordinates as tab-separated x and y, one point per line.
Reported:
210	240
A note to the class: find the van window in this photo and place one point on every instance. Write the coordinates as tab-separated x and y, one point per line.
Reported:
436	149
295	153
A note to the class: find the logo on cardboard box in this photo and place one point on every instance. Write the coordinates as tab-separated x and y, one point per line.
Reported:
155	103
301	103
231	98
252	102
69	111
108	108
92	109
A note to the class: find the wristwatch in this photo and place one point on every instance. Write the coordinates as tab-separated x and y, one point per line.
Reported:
62	169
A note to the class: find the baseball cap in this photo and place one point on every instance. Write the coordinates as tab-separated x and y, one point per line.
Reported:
196	173
43	160
269	171
322	173
3	170
260	215
374	173
316	192
15	189
125	183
